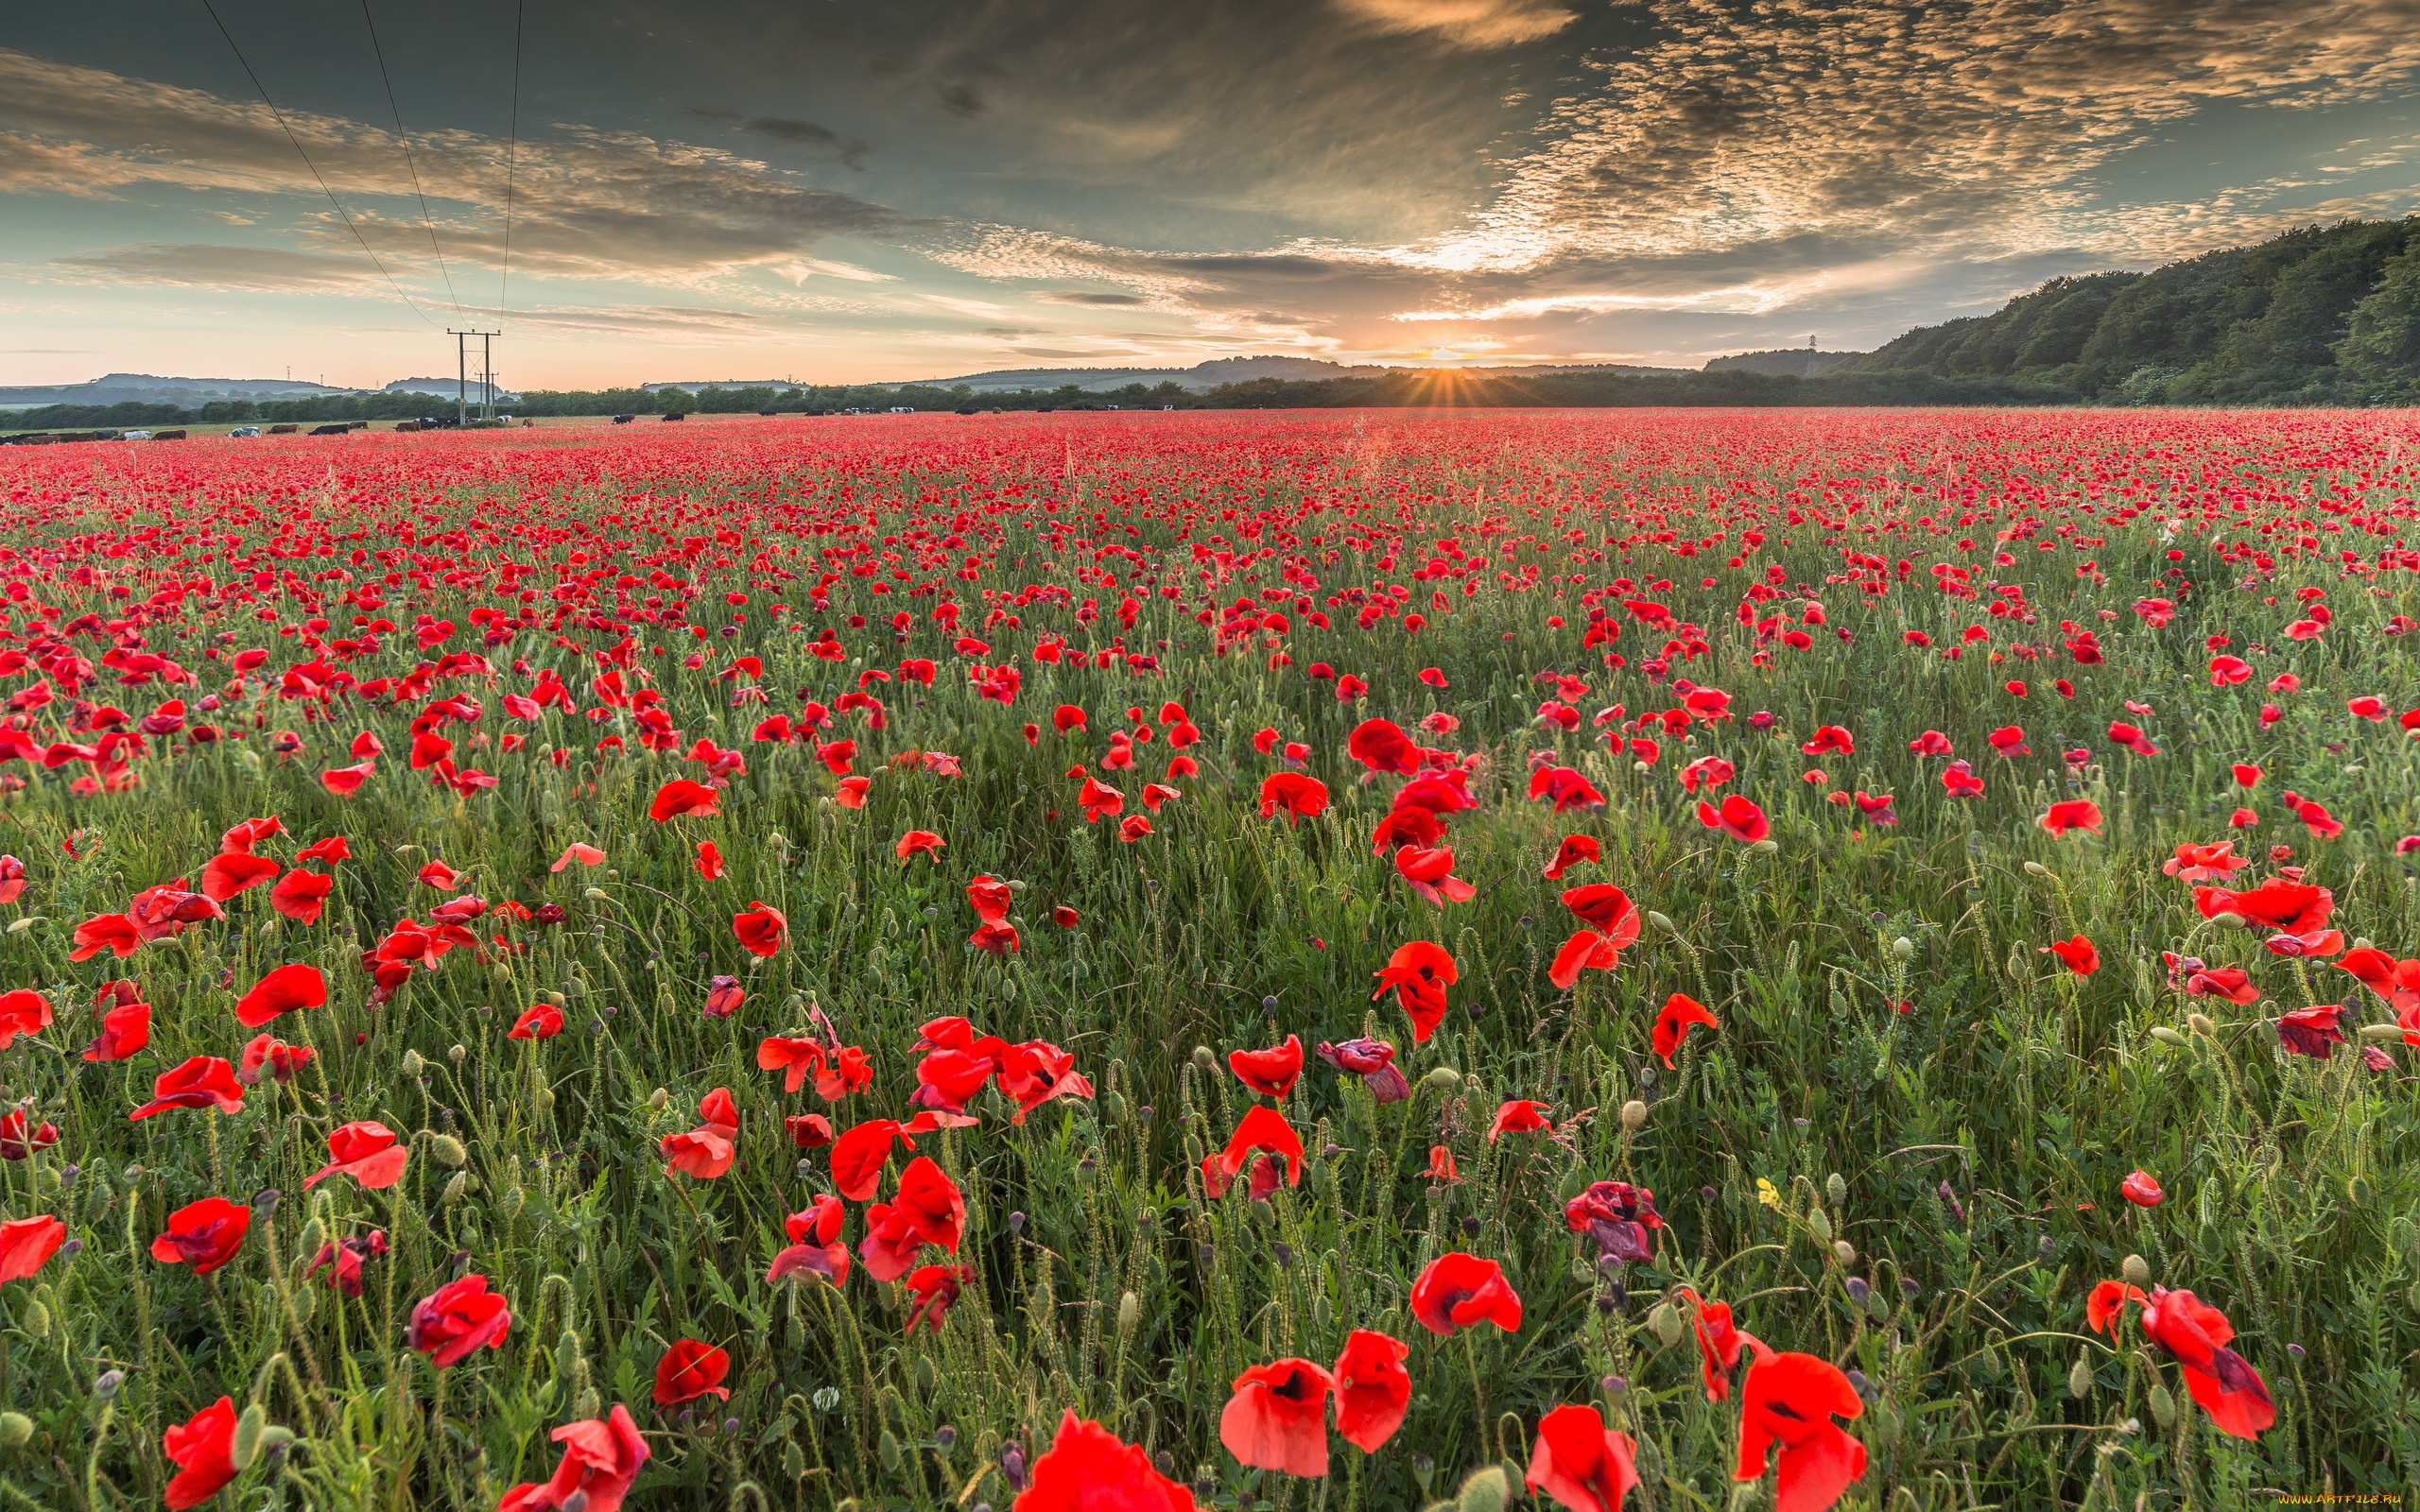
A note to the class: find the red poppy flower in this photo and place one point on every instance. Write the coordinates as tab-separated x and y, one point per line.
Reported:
113	933
1614	921
2195	1335
1580	1462
540	1020
1459	1290
851	793
1373	1060
1133	828
1420	972
815	1243
1566	789
1430	874
1033	1072
279	1058
439	875
575	853
283	990
1519	1116
202	1081
1441	1164
858	1156
457	1318
1719	1343
2078	954
345	781
1270	1073
1261	1128
204	1234
691	1369
22	1010
704	1152
2106	1302
1373	1389
2206	862
2286	907
1065	916
760	928
1739	818
2072	814
27	1244
1381	745
1277	1419
1958	781
1088	1468
681	797
368	1152
1294	795
2398	981
332	850
1406	826
919	842
2141	1190
934	1288
1681	1012
342	1260
600	1460
19	1141
1790	1400
796	1059
808	1131
203	1449
224	876
926	1209
709	862
1932	742
2314	1032
1574	851
301	895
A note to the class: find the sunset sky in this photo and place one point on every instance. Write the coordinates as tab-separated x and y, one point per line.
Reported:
840	190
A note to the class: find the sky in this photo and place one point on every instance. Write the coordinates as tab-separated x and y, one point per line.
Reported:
838	191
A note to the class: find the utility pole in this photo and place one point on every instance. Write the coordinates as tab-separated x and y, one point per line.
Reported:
463	373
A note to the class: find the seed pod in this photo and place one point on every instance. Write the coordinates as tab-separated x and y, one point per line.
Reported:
2035	868
35	1319
925	1379
2163	1406
449	1151
1445	1079
1666	1320
1205	1058
1634	1114
248	1436
657	1098
458	1054
886	1447
1878	1309
2080	1378
1844	1252
1836	1187
1486	1491
1904	948
412	1063
1767	848
2136	1270
542	1100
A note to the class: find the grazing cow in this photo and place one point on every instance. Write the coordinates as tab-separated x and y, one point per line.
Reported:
676	415
284	430
332	430
624	419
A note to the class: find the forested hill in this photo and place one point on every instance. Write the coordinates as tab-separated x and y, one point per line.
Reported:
2320	316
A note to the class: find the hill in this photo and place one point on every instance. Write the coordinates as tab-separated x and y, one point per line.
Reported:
2318	316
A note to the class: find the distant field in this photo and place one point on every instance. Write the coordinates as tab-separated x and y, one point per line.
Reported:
1354	959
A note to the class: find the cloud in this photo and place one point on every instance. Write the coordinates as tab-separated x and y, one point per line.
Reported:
586	203
1101	300
272	270
1474	23
836	145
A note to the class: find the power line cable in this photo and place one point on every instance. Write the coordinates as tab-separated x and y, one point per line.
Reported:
404	137
297	143
511	145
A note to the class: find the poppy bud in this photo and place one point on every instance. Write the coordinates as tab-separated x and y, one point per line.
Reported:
2166	1036
512	1201
1844	1252
2080	1378
1017	1223
449	1151
1613	1387
247	1444
1663	921
2231	921
1423	1470
1130	1314
2135	1270
1205	1058
1666	1320
35	1319
1634	1114
16	1430
2163	1407
1837	1188
455	1188
106	1385
1485	1491
1445	1079
1858	1290
1767	848
1819	1224
944	1438
542	1100
2200	1024
412	1063
2035	868
657	1098
2381	1032
458	1053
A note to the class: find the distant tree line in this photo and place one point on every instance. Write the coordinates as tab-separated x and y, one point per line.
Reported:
826	399
320	410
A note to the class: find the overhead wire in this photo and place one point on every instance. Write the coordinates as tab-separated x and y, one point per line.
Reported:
511	145
297	143
413	167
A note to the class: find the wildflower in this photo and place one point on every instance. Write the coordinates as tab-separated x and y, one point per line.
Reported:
2078	954
601	1457
204	1234
760	928
1459	1290
1679	1014
200	1081
458	1317
1420	972
1373	1060
1790	1399
1270	1073
203	1447
285	990
1277	1417
1737	817
1580	1462
1087	1468
2073	814
2140	1189
368	1152
691	1369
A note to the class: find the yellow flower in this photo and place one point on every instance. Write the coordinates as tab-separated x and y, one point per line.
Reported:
1768	1193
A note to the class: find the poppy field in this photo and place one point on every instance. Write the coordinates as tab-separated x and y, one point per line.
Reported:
1668	960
